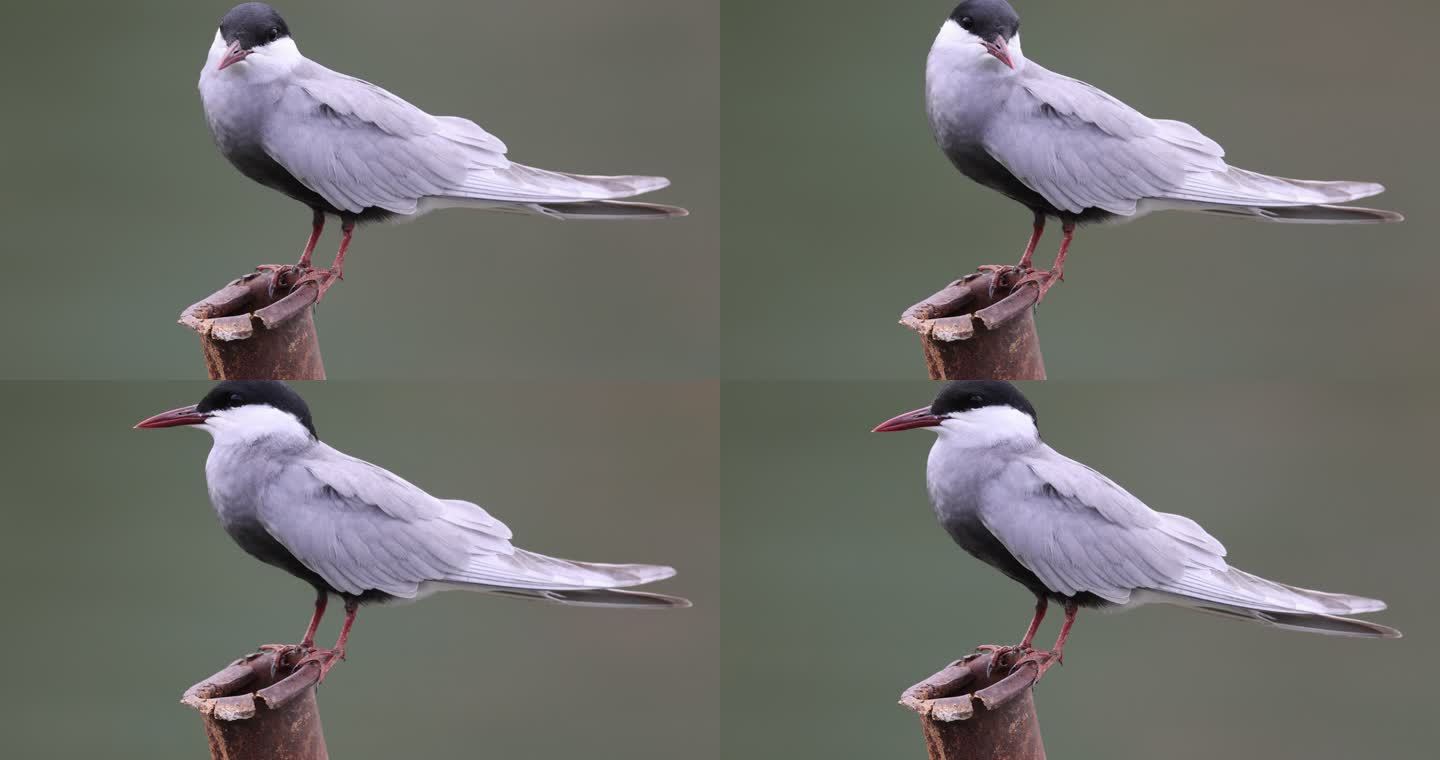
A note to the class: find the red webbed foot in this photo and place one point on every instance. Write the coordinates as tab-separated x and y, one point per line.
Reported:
325	658
1042	660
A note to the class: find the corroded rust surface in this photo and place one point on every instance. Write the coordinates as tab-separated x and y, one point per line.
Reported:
246	334
250	714
966	712
974	329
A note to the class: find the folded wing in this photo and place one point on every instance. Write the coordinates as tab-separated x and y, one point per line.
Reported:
359	146
362	528
1080	148
1078	531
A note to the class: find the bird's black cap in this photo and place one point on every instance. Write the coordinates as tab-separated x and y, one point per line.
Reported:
965	395
253	25
987	19
233	394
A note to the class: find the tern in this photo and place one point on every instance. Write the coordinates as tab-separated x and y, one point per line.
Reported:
349	149
362	533
1067	150
1071	535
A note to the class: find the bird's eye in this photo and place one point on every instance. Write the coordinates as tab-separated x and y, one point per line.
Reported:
977	400
236	398
967	23
274	33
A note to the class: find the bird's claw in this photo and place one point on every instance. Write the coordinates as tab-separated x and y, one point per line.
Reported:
1043	279
282	653
287	276
325	658
998	655
1042	660
1001	273
323	279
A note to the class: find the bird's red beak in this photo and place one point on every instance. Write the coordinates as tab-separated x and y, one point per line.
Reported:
996	47
233	54
920	418
185	415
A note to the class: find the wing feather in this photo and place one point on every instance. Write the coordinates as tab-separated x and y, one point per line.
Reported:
359	146
1080	532
361	528
1081	148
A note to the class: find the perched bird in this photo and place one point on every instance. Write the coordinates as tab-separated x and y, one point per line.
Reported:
360	532
1067	150
349	149
1070	534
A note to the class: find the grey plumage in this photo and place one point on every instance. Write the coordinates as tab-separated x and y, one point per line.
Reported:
352	528
352	149
1068	532
361	147
1079	532
1070	150
362	529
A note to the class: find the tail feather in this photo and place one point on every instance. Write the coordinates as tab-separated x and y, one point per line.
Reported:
1238	594
604	597
1318	214
1238	588
1238	187
1237	192
529	575
523	569
518	183
608	210
1330	625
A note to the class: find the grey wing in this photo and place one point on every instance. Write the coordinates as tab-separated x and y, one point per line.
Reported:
1080	532
361	528
359	146
1080	148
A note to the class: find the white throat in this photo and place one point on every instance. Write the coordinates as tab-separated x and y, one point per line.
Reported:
956	49
257	423
989	427
266	63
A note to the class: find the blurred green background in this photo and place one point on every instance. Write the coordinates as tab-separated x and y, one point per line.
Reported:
841	590
843	212
122	590
119	212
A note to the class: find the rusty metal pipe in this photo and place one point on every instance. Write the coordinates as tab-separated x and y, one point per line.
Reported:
970	332
250	714
246	334
965	713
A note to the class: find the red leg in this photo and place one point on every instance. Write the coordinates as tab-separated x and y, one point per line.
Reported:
317	226
306	644
284	272
347	229
999	653
327	658
1047	279
320	600
1044	660
1040	605
1034	241
1058	268
1003	271
324	278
